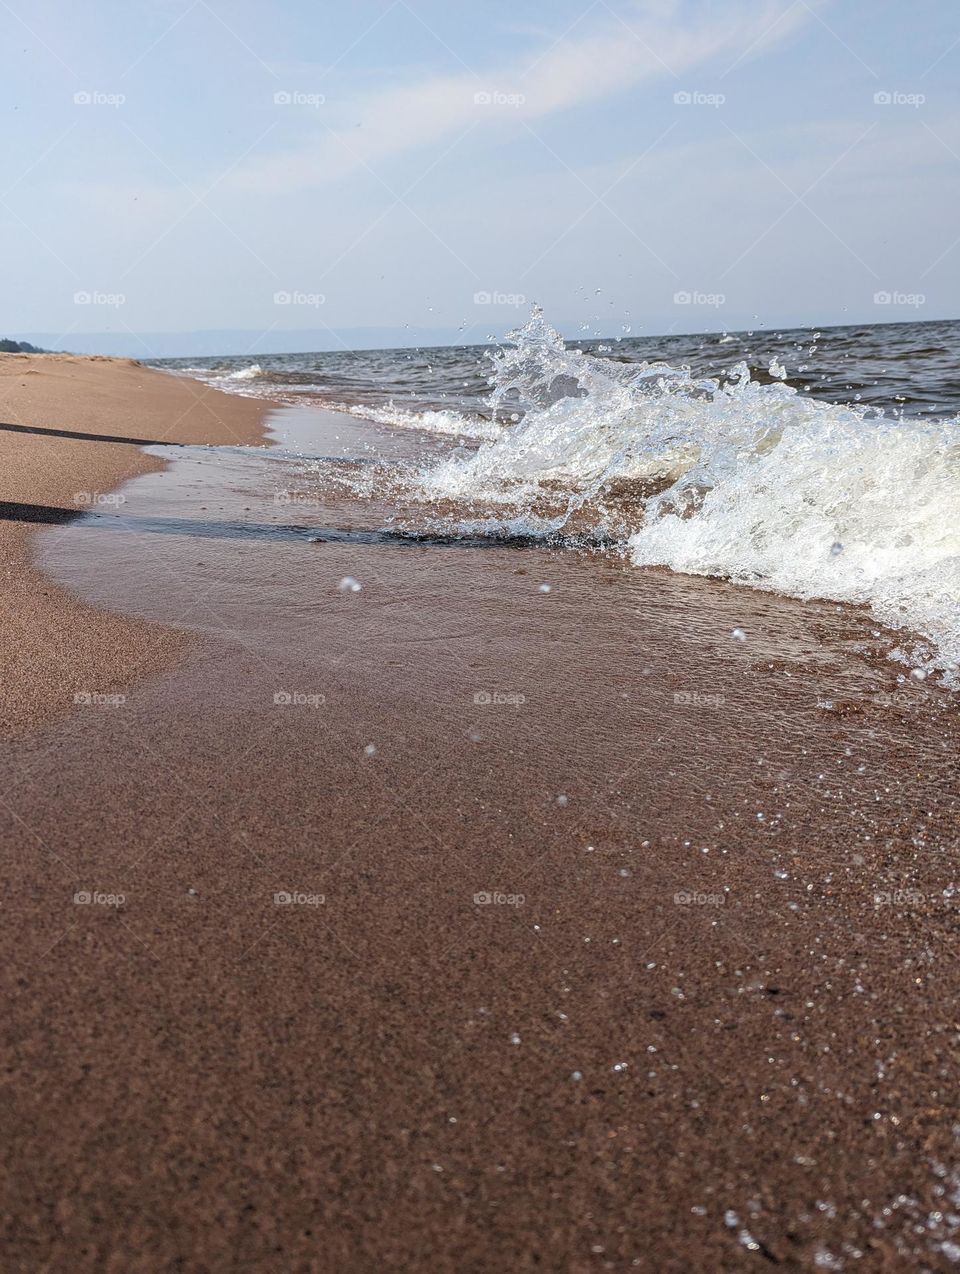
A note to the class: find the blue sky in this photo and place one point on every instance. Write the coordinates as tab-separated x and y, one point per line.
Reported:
180	165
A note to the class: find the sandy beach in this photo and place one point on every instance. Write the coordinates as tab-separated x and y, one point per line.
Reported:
508	913
72	428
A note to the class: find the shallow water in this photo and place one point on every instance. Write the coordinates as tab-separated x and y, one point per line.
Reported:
828	481
255	542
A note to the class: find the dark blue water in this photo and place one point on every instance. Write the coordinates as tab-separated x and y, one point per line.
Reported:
906	368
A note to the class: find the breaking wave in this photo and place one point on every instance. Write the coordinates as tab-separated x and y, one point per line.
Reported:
439	422
725	476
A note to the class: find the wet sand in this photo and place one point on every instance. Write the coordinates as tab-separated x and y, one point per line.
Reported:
70	430
617	942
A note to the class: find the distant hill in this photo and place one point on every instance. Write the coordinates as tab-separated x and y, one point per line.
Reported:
18	347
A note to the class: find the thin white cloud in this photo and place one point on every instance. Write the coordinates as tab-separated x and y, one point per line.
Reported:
634	44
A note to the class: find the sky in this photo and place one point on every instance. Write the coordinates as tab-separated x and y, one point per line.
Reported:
411	167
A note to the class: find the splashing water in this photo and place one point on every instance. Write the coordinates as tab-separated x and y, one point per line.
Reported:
246	373
439	422
729	477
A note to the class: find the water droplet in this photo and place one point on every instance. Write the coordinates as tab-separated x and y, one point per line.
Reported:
349	585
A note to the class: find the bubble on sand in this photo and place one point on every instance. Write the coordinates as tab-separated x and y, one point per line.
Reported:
576	1076
738	635
544	588
370	749
349	585
514	1038
562	799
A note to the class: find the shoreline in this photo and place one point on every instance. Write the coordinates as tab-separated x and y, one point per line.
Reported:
716	1027
73	429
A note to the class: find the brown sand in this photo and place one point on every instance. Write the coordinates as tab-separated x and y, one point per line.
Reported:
401	1078
53	647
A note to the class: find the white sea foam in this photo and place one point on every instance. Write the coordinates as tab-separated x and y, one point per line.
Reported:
246	373
438	422
754	482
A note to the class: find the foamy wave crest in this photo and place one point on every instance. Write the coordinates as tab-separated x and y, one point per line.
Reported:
246	373
753	482
438	422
